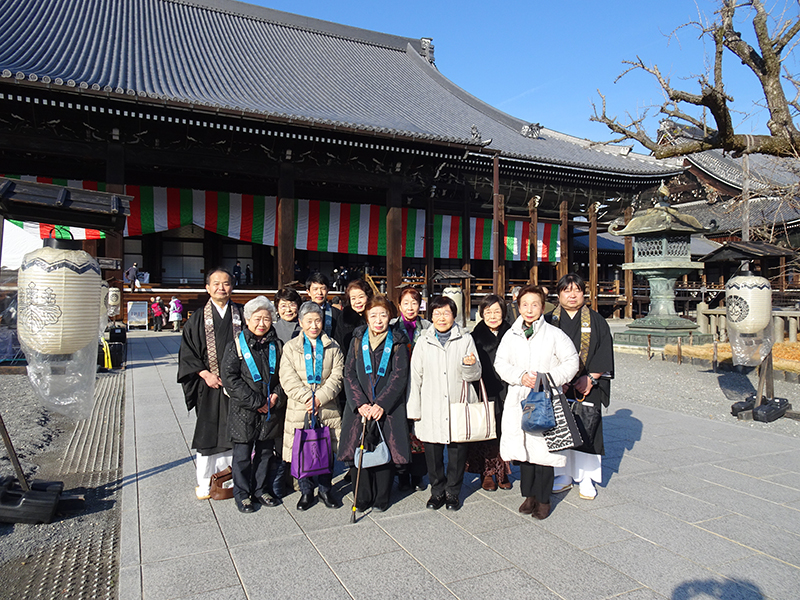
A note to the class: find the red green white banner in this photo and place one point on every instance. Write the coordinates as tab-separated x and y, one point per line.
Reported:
319	226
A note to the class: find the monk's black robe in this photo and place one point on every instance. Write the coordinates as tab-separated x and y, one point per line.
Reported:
599	360
211	405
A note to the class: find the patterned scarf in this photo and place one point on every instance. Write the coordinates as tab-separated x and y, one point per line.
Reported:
586	332
211	338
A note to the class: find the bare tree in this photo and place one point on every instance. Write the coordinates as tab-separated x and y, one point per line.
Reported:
775	39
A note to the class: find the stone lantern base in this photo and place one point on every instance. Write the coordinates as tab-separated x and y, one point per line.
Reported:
635	340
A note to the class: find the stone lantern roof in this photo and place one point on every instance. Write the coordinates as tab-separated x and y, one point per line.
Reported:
661	220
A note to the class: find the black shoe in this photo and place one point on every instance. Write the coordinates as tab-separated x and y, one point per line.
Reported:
306	501
328	499
268	500
452	502
246	506
435	502
403	483
380	507
418	484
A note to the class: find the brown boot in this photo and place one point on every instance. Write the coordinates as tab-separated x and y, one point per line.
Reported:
542	511
504	483
528	506
488	484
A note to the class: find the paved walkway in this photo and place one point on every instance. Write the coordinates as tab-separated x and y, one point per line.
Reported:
689	509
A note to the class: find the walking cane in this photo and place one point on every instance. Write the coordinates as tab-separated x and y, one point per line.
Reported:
358	473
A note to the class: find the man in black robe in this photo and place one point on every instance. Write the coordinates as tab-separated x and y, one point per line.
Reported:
591	386
205	336
317	286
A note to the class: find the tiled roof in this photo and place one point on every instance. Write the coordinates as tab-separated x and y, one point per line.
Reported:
728	215
230	54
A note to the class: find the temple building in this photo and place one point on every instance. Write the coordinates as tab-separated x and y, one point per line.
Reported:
285	142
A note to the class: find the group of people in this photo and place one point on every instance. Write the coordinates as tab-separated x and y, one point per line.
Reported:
377	377
162	314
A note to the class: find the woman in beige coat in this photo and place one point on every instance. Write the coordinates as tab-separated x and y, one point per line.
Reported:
296	386
532	346
443	358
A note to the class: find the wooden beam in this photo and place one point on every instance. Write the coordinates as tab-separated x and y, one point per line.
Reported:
285	225
429	266
593	283
466	261
394	232
628	274
563	265
498	229
533	211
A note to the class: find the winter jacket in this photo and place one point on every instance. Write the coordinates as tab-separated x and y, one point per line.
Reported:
437	373
390	395
297	389
245	423
548	350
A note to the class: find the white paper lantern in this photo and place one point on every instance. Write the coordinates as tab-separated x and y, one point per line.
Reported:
58	299
748	300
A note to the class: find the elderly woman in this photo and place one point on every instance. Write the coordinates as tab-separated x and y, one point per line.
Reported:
376	377
288	302
484	457
256	412
410	476
443	359
357	294
532	346
305	397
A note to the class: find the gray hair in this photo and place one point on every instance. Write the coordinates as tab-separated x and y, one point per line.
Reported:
515	292
308	307
259	303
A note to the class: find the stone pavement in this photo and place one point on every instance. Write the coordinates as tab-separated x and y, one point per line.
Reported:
689	509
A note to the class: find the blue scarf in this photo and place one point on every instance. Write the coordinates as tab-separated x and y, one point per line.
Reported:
313	358
384	364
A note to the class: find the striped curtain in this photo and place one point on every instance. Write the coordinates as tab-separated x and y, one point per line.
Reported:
319	226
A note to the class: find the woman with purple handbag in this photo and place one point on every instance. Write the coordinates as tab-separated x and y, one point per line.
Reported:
311	377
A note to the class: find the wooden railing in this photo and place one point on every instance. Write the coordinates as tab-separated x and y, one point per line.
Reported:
785	323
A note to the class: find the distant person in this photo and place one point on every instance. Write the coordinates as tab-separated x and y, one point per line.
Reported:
591	386
205	337
317	286
132	273
175	313
158	314
237	273
512	309
248	275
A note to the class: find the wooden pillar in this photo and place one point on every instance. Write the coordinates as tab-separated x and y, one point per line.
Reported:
533	211
394	232
593	283
498	231
782	274
285	225
115	184
429	265
466	259
563	235
628	274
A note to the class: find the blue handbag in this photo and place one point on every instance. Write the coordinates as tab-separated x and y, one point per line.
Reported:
537	408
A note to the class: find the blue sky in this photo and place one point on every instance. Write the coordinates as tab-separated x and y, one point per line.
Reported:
544	61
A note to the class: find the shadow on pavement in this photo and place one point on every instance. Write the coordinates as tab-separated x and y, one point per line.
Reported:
725	589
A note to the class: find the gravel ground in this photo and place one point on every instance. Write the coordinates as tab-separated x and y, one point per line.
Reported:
695	390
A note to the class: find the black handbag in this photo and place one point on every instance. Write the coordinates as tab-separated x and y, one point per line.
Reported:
587	419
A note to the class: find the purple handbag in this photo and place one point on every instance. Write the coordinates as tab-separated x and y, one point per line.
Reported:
311	451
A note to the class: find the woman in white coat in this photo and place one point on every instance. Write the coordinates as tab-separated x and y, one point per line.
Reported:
532	346
444	357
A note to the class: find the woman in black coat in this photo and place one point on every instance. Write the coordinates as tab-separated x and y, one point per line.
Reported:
484	457
257	406
385	408
353	315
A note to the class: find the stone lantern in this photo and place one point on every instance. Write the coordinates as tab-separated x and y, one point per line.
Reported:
661	243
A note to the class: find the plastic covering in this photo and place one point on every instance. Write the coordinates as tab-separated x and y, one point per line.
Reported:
750	349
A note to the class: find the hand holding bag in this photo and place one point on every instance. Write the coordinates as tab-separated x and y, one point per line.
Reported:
473	422
537	408
381	455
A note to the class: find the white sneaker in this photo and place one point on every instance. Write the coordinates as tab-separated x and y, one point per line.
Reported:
562	483
587	490
202	493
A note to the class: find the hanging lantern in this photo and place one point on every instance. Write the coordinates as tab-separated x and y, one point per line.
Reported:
748	299
114	301
59	289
